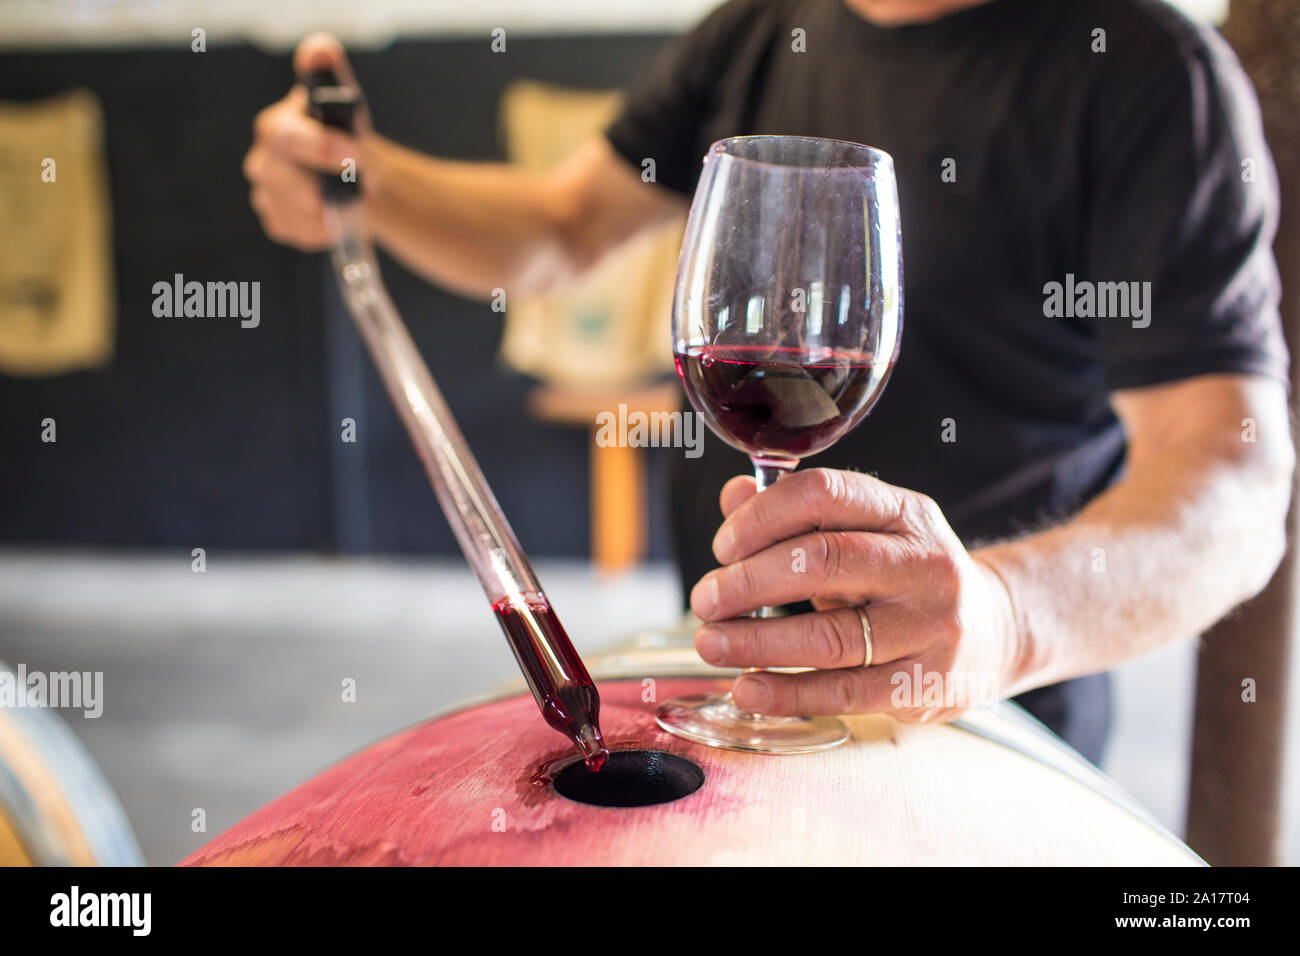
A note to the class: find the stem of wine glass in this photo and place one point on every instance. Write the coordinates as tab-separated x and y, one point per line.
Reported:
767	471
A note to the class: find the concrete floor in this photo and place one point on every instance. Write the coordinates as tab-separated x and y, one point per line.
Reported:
223	689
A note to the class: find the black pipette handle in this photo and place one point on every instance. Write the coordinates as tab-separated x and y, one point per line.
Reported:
335	105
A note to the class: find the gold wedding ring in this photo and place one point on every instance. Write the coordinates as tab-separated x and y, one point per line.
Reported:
866	634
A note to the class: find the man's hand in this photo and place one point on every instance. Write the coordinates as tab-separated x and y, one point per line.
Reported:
470	227
288	146
1195	526
845	540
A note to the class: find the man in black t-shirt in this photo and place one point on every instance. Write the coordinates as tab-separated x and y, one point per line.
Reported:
1057	490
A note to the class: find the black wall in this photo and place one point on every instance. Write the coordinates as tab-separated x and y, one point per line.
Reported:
204	434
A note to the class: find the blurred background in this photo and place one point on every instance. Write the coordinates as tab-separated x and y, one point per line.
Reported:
327	560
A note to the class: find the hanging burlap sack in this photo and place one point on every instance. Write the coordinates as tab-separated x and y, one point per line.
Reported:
56	286
609	329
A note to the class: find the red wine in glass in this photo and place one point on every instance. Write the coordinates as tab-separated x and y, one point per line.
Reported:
559	681
780	402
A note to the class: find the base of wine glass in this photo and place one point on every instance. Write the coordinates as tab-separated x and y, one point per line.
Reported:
715	721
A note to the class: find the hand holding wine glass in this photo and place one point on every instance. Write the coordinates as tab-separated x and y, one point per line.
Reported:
934	605
786	325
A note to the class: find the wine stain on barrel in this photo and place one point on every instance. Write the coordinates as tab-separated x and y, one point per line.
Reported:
631	778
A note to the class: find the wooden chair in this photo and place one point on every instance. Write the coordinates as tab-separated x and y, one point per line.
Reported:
619	525
602	341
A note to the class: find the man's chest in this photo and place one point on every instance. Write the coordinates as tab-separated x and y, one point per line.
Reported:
990	158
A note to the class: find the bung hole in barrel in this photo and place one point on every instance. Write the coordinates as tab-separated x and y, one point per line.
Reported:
631	778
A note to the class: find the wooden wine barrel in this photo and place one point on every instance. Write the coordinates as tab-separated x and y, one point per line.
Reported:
55	807
478	786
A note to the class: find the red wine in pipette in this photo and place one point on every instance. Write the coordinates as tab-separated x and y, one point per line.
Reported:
559	681
781	402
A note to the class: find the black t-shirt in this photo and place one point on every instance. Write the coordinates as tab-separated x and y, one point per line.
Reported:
1144	162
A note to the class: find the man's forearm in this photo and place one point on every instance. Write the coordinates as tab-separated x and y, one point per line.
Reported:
478	227
470	227
1196	527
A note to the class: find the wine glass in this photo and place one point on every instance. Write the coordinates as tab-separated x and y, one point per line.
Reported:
786	324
